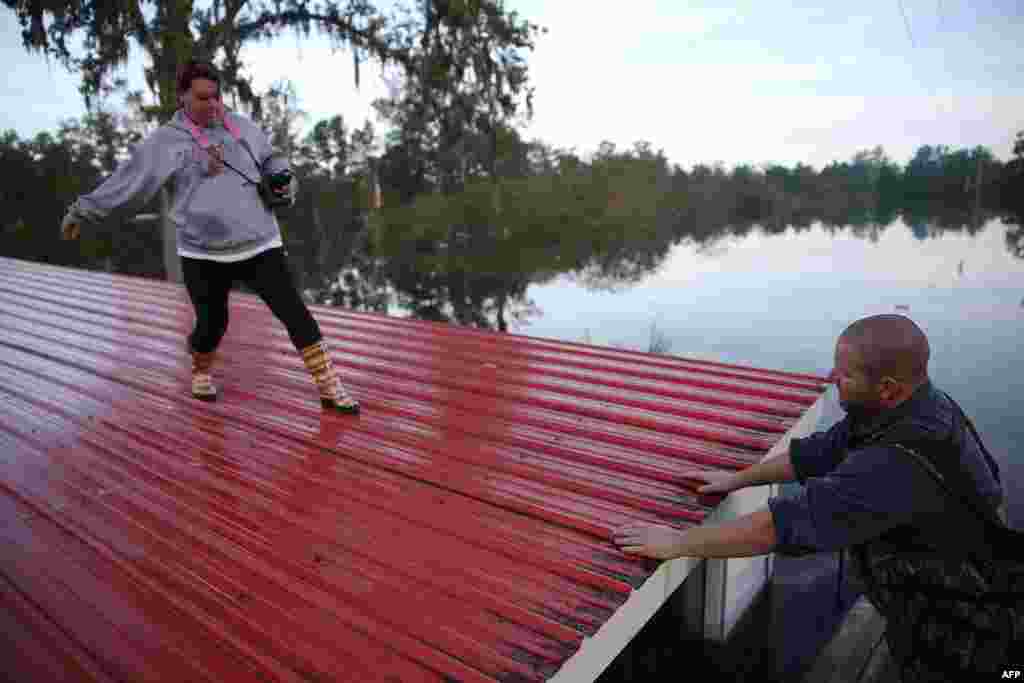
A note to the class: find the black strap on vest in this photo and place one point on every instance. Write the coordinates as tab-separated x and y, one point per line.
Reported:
952	478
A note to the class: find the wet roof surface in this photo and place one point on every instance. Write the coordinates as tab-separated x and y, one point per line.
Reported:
459	528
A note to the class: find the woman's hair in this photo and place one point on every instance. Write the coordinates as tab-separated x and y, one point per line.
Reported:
194	69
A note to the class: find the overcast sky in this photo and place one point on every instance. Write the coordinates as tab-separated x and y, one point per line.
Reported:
753	83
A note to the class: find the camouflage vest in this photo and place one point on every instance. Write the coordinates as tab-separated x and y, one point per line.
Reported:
957	612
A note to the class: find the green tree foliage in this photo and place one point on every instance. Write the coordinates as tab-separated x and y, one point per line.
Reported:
572	215
1012	193
1012	187
525	216
178	31
457	33
467	79
452	121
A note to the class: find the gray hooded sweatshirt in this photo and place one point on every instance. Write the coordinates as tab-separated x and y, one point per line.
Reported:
218	217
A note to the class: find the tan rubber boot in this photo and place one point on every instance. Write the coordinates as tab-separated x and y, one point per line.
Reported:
332	394
202	381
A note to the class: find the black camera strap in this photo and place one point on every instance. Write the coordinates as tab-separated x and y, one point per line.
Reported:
204	144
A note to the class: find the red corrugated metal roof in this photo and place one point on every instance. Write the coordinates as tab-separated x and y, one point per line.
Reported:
458	529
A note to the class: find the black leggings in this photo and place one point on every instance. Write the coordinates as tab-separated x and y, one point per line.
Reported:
267	274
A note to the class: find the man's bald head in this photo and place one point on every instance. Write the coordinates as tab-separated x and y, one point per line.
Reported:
890	345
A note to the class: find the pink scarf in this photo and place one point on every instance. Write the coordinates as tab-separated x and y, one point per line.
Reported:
200	136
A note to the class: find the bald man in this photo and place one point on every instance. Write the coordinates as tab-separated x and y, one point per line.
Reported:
863	491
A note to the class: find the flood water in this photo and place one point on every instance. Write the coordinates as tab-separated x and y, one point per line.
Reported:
779	302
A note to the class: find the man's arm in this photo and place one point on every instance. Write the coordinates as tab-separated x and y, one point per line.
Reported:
776	469
747	536
868	493
772	471
809	456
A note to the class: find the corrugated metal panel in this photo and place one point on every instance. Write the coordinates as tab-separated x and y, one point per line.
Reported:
458	529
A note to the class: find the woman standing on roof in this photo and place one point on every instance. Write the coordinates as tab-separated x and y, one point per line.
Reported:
227	181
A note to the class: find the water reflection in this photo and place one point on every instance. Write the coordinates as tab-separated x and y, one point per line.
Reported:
484	277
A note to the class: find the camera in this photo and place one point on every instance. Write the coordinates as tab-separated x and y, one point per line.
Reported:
274	189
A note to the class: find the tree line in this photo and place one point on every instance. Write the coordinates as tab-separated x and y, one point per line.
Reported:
449	209
523	212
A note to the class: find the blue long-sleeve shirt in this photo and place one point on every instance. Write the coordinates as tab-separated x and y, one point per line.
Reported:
851	496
